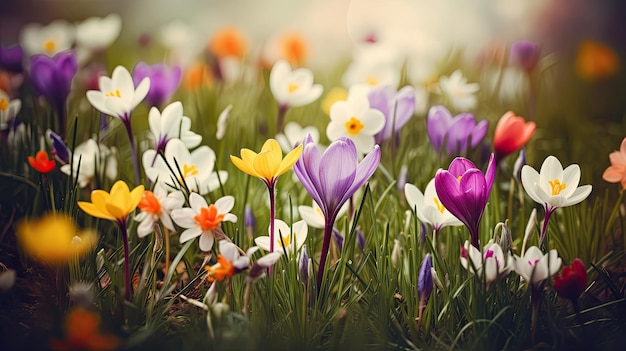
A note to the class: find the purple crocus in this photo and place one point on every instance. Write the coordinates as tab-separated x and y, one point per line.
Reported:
331	179
525	54
164	81
464	190
398	108
457	132
424	285
60	151
11	58
52	77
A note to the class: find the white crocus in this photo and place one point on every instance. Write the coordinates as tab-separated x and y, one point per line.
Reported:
170	124
157	205
355	120
535	267
195	168
88	158
8	110
48	40
204	220
314	217
286	239
553	186
118	96
294	134
492	262
373	65
222	121
460	93
293	87
428	208
96	33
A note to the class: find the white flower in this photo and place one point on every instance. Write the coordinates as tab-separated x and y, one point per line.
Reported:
48	40
372	66
493	263
196	168
182	41
91	157
460	93
204	220
171	124
229	262
535	267
293	88
554	187
355	120
95	33
118	96
428	208
314	217
285	239
294	134
221	122
8	109
157	206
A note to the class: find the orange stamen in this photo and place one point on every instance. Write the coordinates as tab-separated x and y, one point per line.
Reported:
224	268
208	218
149	203
354	126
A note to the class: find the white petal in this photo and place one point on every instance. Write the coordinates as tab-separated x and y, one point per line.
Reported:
189	234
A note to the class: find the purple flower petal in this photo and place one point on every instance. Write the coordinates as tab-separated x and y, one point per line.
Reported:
425	278
479	132
459	165
337	169
405	106
437	123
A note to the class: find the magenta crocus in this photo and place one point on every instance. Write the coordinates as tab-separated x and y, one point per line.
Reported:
458	132
464	190
331	179
525	54
164	81
11	58
52	78
398	108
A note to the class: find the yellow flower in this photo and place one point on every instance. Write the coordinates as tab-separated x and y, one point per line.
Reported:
268	164
114	206
54	238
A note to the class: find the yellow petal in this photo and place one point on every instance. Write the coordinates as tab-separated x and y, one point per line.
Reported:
243	166
290	159
119	213
248	156
267	163
135	197
99	198
94	211
272	145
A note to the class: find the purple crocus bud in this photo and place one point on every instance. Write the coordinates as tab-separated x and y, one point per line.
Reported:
11	58
464	190
304	265
520	161
398	108
459	132
338	239
525	54
360	238
249	221
60	151
425	278
52	76
164	81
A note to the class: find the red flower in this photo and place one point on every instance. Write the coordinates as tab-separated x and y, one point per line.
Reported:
572	281
41	163
511	133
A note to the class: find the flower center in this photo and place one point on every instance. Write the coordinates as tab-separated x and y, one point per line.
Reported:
292	87
284	241
488	253
50	46
189	170
354	126
115	93
371	80
222	269
149	203
459	178
556	186
208	218
439	205
4	104
532	263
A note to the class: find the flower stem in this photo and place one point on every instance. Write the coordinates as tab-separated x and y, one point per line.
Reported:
535	301
124	233
544	228
133	148
270	188
328	232
280	118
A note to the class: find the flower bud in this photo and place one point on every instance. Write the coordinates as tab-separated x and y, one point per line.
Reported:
572	281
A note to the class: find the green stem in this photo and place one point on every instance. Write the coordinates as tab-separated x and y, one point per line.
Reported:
271	188
127	280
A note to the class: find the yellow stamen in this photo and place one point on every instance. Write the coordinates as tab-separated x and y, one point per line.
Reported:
371	80
286	241
292	87
354	126
459	178
50	46
4	104
114	93
439	205
556	186
189	170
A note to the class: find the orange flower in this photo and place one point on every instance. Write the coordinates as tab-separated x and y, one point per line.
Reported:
616	173
41	163
82	333
596	60
196	76
511	133
221	270
294	49
228	42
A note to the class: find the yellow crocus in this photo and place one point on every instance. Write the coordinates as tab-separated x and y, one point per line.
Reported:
268	164
114	206
54	238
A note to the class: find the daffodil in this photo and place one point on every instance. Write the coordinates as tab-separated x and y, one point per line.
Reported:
355	120
157	205
268	165
54	238
554	187
287	239
116	206
229	262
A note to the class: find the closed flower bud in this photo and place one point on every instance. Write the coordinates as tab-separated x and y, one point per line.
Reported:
572	281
